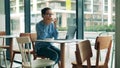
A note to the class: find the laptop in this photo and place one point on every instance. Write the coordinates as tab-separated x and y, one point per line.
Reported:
70	33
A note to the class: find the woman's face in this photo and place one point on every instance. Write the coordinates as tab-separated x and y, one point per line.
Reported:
48	16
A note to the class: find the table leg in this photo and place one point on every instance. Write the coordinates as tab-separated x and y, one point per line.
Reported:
11	48
62	47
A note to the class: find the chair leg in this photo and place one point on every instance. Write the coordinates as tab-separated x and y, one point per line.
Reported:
49	67
74	66
59	65
34	56
12	60
4	56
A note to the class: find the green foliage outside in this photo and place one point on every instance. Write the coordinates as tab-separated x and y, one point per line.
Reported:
62	28
110	28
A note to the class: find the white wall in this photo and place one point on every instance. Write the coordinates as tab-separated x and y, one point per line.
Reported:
2	16
2	22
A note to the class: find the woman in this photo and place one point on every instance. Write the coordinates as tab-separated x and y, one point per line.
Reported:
46	28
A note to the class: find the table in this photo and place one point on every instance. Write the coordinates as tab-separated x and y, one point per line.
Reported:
62	47
10	47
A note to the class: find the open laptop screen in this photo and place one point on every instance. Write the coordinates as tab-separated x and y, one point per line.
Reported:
71	32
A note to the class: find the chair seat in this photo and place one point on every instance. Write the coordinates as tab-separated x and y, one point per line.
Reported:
39	63
93	64
5	47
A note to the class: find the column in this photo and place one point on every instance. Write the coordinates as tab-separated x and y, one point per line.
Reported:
117	34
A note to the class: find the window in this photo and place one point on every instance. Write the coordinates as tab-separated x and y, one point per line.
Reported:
21	9
63	4
13	3
21	2
87	8
106	9
96	8
13	10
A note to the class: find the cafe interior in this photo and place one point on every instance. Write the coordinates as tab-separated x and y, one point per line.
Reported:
84	44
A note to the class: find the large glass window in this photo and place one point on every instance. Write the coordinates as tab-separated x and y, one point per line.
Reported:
100	21
60	12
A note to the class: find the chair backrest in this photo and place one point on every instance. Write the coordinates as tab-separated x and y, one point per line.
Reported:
24	34
83	53
22	43
103	42
2	33
33	37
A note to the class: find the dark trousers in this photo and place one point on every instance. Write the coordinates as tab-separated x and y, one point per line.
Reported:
50	52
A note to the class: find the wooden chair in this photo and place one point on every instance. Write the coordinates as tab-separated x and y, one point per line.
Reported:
83	53
101	43
27	62
17	51
33	37
2	33
4	47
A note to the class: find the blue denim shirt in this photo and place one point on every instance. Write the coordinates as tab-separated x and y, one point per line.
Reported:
45	31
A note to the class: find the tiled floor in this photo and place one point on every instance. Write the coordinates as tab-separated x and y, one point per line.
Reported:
15	65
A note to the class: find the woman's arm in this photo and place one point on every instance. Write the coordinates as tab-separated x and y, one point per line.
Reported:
55	32
41	33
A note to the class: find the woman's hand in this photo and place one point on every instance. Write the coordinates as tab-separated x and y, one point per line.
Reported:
55	22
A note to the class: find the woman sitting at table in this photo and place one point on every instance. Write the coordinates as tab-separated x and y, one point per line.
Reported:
46	28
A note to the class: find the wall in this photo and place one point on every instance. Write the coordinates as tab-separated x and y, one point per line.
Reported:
2	16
